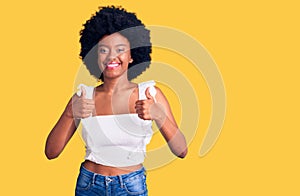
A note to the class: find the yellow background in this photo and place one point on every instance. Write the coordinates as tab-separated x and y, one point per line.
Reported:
256	46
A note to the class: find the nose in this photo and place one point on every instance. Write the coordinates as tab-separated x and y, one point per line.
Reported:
112	55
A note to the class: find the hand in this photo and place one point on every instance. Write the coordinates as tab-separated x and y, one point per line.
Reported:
148	109
81	106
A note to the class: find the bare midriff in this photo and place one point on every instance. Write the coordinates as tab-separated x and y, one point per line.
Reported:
109	170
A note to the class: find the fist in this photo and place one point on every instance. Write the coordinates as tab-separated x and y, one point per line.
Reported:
147	109
81	106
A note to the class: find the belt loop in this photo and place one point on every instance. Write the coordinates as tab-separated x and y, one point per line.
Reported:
94	178
108	180
121	181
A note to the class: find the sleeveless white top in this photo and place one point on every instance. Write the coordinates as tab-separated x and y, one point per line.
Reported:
117	140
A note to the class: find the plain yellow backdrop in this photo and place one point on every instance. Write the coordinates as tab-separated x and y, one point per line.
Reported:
256	46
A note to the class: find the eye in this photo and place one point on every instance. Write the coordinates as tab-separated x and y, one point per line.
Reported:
120	50
103	50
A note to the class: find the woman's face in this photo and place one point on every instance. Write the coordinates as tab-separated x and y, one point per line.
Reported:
114	55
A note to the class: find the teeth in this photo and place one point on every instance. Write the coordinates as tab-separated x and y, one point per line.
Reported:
113	65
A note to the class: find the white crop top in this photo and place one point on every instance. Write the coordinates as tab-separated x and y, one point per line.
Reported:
117	140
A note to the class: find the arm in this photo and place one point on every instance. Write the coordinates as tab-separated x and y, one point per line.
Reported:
61	133
162	114
78	107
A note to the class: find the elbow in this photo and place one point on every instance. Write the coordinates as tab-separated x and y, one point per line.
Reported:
50	157
50	154
183	154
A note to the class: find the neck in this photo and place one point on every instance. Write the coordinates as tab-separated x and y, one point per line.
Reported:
115	84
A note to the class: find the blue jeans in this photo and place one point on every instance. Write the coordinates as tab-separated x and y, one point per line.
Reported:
93	184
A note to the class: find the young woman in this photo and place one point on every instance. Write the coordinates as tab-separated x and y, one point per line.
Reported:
116	116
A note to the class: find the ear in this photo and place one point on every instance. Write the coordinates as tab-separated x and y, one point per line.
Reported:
131	60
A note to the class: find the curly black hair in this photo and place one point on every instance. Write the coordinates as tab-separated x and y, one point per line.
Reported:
109	20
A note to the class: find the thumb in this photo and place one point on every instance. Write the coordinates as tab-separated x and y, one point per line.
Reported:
148	95
83	92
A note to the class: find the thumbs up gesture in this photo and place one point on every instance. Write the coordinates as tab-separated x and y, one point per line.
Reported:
148	109
81	106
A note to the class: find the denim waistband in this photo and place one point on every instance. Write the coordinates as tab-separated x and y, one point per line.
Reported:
118	179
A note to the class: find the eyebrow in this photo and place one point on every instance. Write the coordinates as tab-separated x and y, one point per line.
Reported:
99	45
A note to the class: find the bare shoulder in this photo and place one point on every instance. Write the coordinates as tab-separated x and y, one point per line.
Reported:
134	90
159	92
133	86
99	88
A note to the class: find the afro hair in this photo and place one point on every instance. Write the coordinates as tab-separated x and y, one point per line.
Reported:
109	20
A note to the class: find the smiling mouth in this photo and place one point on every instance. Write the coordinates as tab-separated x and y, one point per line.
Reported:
112	65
